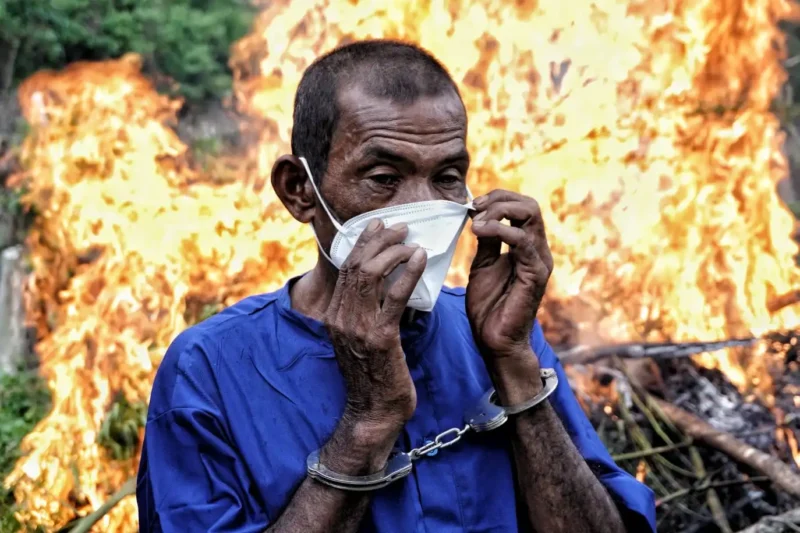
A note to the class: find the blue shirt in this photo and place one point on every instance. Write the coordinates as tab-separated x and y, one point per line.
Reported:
240	400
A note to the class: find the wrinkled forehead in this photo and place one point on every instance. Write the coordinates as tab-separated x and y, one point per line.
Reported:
427	121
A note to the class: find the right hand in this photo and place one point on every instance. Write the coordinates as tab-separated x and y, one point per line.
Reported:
364	326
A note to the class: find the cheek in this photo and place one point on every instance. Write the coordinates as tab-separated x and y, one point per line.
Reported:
343	199
459	194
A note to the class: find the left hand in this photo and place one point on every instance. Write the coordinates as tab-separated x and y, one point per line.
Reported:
505	290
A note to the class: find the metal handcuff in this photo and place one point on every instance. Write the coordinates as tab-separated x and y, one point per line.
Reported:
485	416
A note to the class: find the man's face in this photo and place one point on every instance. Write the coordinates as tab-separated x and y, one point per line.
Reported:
385	154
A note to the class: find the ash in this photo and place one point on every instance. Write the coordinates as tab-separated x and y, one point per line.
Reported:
709	395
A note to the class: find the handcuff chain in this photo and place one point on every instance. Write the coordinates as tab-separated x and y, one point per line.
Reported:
439	442
485	416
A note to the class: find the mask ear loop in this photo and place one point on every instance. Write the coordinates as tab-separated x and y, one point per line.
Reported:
327	211
469	205
319	196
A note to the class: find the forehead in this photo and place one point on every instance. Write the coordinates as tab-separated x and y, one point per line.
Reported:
429	121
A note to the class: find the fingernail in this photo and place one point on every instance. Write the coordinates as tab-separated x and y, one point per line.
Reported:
400	226
418	254
478	217
479	200
374	224
478	223
412	245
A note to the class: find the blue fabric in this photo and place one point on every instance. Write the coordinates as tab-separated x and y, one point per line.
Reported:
241	399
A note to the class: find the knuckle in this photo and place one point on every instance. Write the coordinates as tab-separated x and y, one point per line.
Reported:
393	297
367	275
492	212
494	194
349	264
363	239
384	337
366	283
389	236
528	244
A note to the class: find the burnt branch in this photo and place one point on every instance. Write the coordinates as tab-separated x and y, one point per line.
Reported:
780	473
584	355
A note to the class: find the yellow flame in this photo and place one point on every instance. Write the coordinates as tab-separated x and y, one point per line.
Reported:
642	128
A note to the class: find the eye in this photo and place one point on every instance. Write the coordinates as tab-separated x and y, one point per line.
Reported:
385	179
448	179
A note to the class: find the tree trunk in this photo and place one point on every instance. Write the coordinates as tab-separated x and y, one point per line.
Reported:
7	64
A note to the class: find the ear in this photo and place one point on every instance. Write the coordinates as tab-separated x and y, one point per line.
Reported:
290	182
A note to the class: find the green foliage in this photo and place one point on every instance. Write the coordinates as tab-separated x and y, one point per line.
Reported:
24	401
208	311
119	434
11	202
185	40
207	146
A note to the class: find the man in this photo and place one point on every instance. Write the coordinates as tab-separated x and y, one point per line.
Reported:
344	362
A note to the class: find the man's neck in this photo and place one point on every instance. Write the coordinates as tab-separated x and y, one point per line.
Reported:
311	294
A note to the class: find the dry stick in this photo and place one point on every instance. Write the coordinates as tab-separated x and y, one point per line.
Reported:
706	485
651	451
774	524
712	498
86	523
659	462
780	473
732	508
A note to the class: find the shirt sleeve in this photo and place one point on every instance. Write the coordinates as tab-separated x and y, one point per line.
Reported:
636	502
191	479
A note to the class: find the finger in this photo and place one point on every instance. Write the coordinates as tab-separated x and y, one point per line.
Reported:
525	214
351	283
521	241
498	195
518	213
382	240
490	245
372	229
542	246
397	298
534	275
364	280
488	251
385	262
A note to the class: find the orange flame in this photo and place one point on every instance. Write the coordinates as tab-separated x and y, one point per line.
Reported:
644	129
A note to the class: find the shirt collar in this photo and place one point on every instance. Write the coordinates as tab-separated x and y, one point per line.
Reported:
415	335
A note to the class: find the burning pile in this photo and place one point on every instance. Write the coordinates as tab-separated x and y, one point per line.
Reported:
643	128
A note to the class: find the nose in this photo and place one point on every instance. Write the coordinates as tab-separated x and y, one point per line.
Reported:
414	189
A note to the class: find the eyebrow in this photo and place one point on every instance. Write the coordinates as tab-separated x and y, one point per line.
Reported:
380	153
461	156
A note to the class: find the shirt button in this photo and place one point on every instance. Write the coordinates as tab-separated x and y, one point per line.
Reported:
433	452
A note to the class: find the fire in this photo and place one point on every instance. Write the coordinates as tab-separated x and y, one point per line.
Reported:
131	243
643	128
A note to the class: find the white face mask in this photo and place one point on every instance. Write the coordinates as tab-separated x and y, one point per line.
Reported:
434	225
